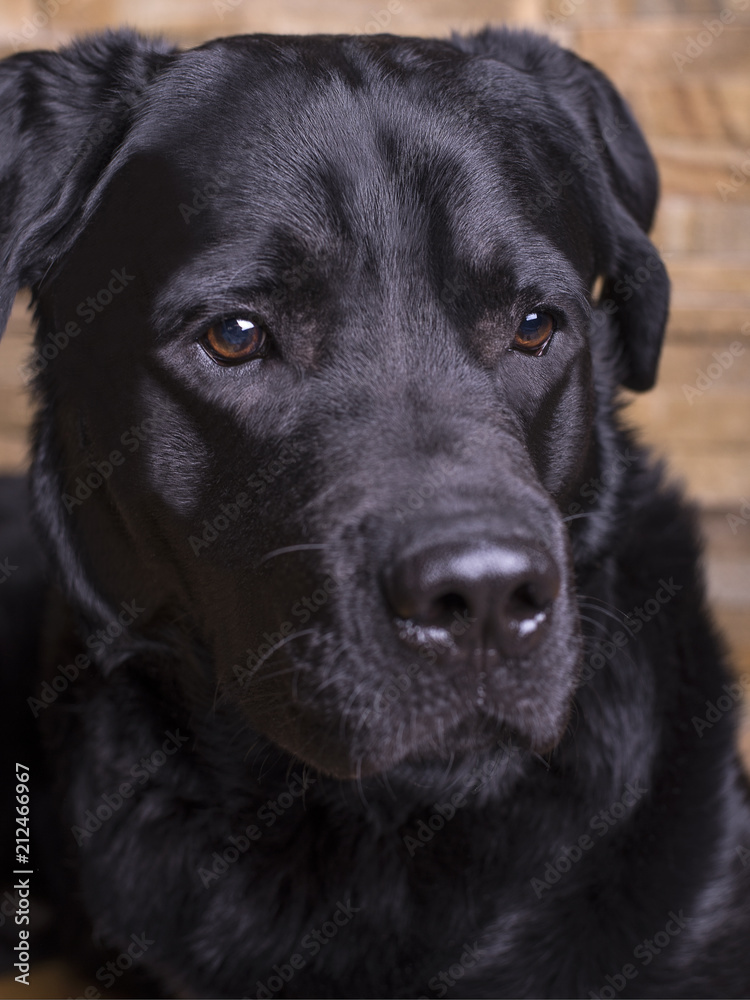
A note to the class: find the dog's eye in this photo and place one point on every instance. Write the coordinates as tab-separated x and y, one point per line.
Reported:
535	333
234	340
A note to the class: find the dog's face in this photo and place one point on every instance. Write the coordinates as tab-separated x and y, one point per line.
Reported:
332	309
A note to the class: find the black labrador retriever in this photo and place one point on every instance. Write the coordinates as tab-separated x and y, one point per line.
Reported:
379	663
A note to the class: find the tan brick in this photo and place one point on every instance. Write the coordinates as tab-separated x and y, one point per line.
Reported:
712	169
716	414
436	18
14	452
33	24
15	402
715	477
709	323
630	52
13	13
728	551
727	276
704	106
191	21
702	226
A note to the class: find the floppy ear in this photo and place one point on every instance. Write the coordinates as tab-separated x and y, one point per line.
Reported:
62	115
636	284
620	173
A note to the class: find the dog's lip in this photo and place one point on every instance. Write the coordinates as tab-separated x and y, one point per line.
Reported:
475	735
475	725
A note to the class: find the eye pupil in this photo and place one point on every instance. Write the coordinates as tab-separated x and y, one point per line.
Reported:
235	331
234	339
534	333
532	323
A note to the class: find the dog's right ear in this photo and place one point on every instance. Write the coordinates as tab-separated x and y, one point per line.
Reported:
62	116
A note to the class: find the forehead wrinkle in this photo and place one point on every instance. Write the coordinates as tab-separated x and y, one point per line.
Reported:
378	200
539	261
227	271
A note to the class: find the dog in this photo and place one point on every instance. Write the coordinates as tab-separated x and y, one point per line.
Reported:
376	659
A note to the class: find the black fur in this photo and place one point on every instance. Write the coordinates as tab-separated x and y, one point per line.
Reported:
389	210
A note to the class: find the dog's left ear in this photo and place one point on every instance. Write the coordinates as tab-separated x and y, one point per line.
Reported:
62	116
620	174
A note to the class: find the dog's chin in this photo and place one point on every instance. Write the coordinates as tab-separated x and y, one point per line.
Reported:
470	742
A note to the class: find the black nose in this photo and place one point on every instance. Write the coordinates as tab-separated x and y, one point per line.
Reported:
478	593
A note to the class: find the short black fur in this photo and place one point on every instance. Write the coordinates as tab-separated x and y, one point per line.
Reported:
273	770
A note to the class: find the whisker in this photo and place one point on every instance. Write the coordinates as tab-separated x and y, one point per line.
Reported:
288	548
604	604
621	620
400	735
272	650
281	673
450	764
347	708
538	757
593	621
360	789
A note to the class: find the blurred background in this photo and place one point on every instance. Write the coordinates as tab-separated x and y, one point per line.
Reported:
684	67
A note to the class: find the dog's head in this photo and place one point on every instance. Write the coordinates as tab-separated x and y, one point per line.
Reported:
320	373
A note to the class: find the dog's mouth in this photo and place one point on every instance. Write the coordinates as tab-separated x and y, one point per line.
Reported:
474	739
444	749
433	717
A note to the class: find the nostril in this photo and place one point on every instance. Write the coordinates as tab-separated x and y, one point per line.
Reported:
448	607
527	600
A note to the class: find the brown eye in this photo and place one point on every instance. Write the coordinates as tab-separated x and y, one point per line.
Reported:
234	340
535	333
